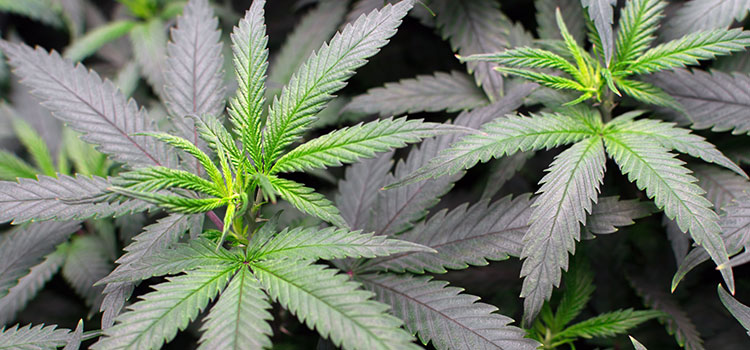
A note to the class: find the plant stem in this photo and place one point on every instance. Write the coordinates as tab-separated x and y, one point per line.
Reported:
216	220
607	106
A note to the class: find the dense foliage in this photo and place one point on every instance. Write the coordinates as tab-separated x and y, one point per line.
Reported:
219	216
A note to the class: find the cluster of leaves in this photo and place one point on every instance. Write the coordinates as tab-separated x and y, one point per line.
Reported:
358	270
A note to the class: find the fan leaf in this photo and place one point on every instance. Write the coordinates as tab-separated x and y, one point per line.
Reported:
332	304
442	315
568	192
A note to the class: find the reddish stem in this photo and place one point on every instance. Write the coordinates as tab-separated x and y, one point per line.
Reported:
215	219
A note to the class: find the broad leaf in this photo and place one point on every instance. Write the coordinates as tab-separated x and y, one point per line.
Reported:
462	237
568	192
638	23
157	317
601	12
689	49
332	304
472	27
670	136
713	100
442	315
24	247
89	105
425	93
239	320
698	15
194	79
324	73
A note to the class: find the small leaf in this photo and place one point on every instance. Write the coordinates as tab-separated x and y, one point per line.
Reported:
609	324
738	310
307	200
92	41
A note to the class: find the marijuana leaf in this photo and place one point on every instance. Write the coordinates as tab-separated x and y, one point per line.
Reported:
313	293
442	315
567	194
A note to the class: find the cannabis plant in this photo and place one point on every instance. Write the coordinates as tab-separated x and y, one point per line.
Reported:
248	261
584	93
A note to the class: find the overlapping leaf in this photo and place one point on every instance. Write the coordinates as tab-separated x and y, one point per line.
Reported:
674	190
324	73
504	136
715	100
442	315
158	316
698	15
194	79
239	320
473	27
567	194
314	293
675	138
601	12
28	286
462	237
25	247
448	92
89	105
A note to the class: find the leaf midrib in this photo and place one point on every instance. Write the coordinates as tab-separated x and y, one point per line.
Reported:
352	320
